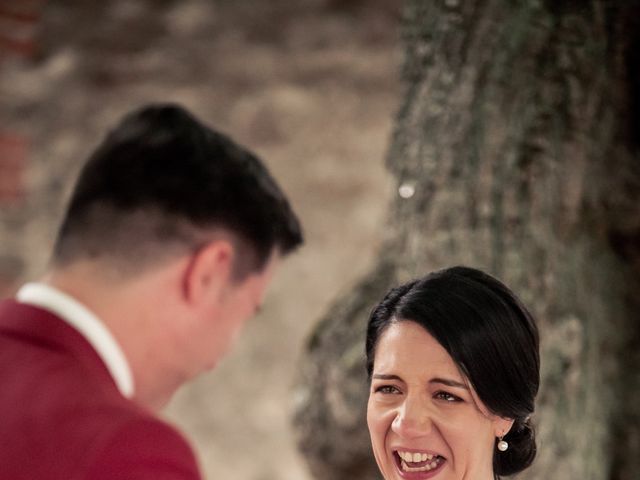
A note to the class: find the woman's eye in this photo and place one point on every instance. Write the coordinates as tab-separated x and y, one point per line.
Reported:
447	397
387	389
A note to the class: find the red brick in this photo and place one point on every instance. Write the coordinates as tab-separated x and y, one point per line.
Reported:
13	162
18	27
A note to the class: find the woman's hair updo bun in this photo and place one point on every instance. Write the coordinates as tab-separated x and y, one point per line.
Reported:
521	452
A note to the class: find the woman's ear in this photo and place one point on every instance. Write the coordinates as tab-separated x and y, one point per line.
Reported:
209	271
502	426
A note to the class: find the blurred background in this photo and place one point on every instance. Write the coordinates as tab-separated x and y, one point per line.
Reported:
311	86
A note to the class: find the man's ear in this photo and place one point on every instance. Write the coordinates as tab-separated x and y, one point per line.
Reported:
209	271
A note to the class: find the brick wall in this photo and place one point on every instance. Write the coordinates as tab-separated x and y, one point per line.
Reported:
13	162
18	26
19	22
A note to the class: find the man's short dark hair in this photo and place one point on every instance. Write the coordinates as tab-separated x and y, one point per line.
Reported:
161	183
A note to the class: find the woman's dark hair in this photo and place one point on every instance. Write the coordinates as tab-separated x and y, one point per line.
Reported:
491	337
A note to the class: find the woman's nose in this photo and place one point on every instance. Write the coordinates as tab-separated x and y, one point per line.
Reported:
413	419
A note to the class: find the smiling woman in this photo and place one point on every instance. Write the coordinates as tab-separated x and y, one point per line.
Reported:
454	367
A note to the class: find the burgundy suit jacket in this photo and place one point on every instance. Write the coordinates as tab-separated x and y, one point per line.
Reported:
62	416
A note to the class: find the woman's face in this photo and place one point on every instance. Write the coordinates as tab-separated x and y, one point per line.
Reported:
424	419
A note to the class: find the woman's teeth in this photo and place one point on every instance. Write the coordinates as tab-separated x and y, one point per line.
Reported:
415	457
421	462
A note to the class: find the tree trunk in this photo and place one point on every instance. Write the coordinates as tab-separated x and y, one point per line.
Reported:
516	151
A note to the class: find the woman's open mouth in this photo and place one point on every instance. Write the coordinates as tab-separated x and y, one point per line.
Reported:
418	465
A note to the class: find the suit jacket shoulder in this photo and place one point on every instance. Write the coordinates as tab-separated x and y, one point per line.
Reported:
143	449
63	416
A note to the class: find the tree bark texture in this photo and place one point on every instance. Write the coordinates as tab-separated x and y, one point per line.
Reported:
516	147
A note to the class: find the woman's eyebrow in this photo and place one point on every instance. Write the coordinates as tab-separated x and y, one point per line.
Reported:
444	381
449	383
382	376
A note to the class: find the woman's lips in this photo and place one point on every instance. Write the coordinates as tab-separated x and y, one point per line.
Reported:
418	464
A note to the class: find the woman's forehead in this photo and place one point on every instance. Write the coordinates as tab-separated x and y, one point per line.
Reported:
405	344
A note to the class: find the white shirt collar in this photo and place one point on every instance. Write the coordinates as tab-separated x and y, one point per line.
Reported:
87	324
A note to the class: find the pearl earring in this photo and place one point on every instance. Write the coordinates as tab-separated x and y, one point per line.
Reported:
502	445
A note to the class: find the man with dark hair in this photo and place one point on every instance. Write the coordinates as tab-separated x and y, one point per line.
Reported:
169	241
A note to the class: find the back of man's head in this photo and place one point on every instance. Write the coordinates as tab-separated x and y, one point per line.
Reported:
160	185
